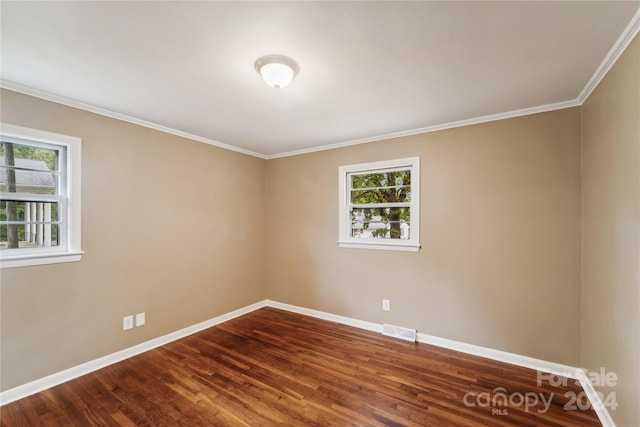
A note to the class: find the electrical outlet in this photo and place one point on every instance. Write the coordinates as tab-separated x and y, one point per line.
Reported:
140	319
386	305
127	322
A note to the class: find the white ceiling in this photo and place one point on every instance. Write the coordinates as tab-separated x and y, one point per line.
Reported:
367	69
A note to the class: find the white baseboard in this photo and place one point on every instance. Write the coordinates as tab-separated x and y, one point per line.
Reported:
41	384
596	401
489	353
501	356
476	350
361	324
49	381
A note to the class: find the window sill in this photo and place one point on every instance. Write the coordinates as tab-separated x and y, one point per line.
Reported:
39	259
380	246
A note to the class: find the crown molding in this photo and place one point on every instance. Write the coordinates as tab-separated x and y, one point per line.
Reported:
433	128
630	32
48	96
627	36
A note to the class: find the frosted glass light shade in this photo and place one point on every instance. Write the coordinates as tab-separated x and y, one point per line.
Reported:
276	70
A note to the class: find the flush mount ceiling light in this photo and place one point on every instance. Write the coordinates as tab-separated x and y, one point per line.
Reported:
277	70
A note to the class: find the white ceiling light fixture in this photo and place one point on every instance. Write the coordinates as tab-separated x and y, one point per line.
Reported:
277	70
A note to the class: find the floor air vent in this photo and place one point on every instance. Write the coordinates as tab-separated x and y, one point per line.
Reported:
398	332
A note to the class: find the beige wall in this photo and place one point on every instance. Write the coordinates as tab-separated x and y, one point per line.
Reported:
170	226
500	234
611	232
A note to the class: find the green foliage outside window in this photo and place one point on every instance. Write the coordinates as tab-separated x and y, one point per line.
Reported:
32	153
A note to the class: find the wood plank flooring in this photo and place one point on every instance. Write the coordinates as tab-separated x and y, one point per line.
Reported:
275	368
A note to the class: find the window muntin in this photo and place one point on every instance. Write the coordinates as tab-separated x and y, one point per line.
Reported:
379	206
39	197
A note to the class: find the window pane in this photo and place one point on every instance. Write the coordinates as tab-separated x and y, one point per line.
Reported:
26	169
381	179
387	187
32	224
381	223
49	236
368	180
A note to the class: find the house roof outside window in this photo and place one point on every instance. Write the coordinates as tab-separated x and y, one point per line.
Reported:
29	181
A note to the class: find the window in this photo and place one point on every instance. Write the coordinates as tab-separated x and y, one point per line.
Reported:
39	197
379	205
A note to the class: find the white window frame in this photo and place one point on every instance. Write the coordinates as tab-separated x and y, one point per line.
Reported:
345	239
68	197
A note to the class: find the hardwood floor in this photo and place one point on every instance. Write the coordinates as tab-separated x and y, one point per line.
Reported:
275	368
